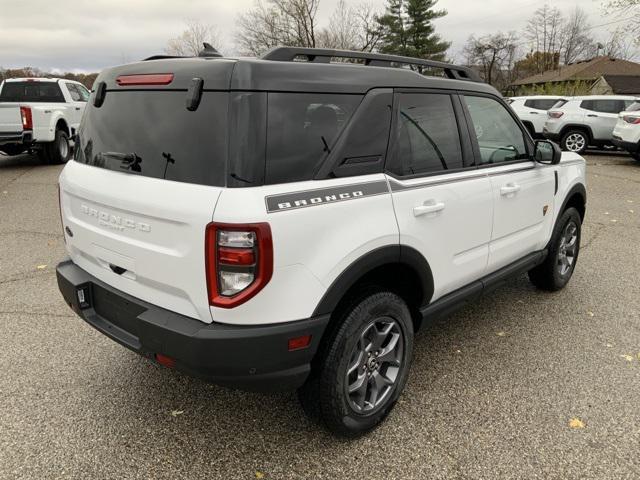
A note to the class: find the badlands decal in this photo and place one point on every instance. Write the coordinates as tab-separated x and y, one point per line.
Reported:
322	196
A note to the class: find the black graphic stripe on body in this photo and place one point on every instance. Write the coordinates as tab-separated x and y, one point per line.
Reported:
322	196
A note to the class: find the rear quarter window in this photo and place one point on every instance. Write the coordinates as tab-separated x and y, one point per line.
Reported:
541	103
301	131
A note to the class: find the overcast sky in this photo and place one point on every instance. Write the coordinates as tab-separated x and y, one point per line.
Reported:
75	35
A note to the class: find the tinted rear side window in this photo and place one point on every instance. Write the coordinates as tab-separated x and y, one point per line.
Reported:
603	106
541	103
151	133
33	92
427	135
301	130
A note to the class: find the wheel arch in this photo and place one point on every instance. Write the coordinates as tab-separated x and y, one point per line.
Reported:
577	126
401	269
576	197
61	124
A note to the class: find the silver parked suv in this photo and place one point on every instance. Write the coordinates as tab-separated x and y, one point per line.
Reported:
585	121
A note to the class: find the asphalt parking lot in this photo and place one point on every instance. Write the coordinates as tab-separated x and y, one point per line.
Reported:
522	384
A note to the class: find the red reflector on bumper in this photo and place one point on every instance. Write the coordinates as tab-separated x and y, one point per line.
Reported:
166	361
298	343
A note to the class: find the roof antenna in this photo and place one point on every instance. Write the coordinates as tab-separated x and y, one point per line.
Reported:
208	51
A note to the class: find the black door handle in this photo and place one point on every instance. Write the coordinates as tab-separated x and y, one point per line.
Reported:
592	115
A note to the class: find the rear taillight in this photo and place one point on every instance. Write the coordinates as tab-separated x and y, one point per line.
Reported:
239	261
27	118
555	114
631	119
145	79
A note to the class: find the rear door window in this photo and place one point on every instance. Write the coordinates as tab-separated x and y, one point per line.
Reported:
75	95
301	131
32	92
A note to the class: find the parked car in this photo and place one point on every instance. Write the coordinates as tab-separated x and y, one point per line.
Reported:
287	222
581	122
532	110
626	134
40	114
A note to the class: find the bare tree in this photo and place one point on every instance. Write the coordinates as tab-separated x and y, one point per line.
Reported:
351	28
626	9
495	55
576	42
620	44
277	22
189	42
544	31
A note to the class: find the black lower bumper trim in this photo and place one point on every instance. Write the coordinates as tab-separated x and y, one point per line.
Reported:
18	138
628	146
246	357
555	137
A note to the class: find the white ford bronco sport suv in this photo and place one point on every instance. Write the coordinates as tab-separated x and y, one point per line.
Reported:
42	115
288	222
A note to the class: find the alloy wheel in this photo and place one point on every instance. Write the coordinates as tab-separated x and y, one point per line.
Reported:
568	248
374	365
575	142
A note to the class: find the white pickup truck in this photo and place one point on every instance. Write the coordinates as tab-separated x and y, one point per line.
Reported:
40	114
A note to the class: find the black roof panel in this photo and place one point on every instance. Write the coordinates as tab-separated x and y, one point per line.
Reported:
293	76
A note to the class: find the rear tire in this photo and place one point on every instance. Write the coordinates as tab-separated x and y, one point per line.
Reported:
58	152
362	367
556	271
575	141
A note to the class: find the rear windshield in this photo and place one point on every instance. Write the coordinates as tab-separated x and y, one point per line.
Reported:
31	92
560	103
151	133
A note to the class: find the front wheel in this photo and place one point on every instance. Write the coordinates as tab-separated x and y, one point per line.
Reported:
574	141
363	367
556	271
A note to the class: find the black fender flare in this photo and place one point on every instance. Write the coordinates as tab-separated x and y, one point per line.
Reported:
579	189
387	255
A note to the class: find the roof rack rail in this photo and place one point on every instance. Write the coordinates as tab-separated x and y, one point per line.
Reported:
322	55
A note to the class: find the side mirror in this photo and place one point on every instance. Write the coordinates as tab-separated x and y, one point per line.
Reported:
547	152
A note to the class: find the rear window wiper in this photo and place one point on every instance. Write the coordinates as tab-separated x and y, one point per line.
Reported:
129	161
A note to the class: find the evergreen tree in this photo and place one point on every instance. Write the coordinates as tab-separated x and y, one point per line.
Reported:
408	29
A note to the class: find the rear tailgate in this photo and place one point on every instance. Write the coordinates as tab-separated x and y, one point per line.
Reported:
143	186
143	236
10	119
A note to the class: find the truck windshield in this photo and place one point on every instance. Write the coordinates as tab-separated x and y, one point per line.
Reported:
35	91
151	133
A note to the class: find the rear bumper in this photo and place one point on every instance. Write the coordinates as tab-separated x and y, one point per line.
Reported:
20	138
628	146
250	358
